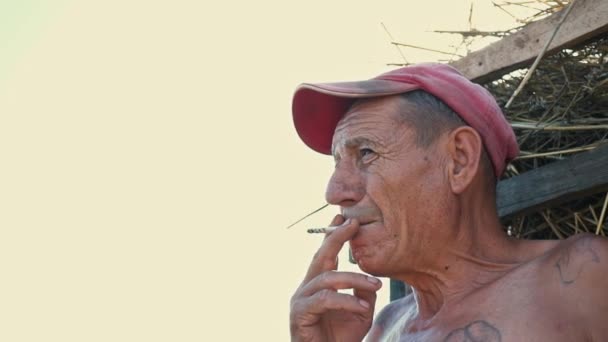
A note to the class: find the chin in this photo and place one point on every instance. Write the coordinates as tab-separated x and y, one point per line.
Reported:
373	255
373	270
370	264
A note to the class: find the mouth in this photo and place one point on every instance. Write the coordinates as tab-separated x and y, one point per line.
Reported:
368	219
361	244
361	239
365	226
363	221
366	215
366	223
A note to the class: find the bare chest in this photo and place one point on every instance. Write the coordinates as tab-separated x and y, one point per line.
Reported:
507	316
493	329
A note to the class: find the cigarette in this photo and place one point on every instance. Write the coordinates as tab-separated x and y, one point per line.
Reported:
321	230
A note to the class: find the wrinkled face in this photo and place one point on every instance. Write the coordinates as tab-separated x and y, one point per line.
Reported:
388	183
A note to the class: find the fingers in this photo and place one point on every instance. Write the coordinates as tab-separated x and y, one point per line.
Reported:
320	296
366	296
326	300
341	280
317	304
338	220
325	258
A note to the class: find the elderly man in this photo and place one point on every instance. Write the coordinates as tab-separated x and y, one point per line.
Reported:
417	154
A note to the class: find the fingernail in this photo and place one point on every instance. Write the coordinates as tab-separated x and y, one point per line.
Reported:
364	303
373	280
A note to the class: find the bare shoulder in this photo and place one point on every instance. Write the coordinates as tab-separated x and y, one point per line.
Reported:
581	256
578	269
580	259
389	316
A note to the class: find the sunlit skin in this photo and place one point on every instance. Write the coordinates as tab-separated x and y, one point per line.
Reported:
383	178
425	215
422	219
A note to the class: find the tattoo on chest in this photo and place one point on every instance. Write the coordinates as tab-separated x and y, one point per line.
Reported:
478	331
572	260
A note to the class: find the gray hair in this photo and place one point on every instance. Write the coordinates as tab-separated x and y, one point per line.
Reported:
431	119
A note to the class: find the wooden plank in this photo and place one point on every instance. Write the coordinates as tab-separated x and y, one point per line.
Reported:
577	176
589	18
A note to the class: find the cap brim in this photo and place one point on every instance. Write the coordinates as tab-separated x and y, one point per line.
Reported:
318	107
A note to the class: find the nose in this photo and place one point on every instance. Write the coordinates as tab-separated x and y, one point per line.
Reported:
346	186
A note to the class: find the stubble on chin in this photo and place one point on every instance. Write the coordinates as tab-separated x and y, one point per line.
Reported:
376	259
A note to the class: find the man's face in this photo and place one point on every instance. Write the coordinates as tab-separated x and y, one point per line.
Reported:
388	183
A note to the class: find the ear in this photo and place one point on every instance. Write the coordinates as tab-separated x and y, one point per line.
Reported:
464	153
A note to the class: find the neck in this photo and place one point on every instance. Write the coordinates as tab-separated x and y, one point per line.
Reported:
476	253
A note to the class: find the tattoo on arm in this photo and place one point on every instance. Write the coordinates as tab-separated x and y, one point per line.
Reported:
572	260
478	331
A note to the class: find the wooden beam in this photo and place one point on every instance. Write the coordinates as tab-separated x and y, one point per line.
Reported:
575	177
589	18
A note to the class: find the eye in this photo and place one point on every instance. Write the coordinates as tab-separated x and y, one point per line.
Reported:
365	151
366	154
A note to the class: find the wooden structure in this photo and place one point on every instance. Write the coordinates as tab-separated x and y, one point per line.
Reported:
588	18
566	180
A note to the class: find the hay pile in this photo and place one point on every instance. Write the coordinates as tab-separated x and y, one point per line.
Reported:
563	110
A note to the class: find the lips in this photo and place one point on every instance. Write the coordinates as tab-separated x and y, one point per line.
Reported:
365	223
364	214
365	228
363	220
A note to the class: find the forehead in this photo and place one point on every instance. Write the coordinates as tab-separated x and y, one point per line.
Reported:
370	119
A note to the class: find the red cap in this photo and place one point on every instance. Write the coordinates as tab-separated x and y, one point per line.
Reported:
317	108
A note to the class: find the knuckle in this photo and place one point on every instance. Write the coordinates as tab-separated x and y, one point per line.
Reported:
323	260
296	297
324	296
324	278
328	263
297	309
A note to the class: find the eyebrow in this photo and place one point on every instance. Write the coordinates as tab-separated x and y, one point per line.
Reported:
354	142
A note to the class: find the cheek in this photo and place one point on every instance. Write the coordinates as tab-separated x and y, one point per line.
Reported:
398	202
406	209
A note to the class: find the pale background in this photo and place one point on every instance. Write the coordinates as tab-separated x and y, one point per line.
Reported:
149	163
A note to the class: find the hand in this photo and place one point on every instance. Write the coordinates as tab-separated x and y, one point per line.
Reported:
318	311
